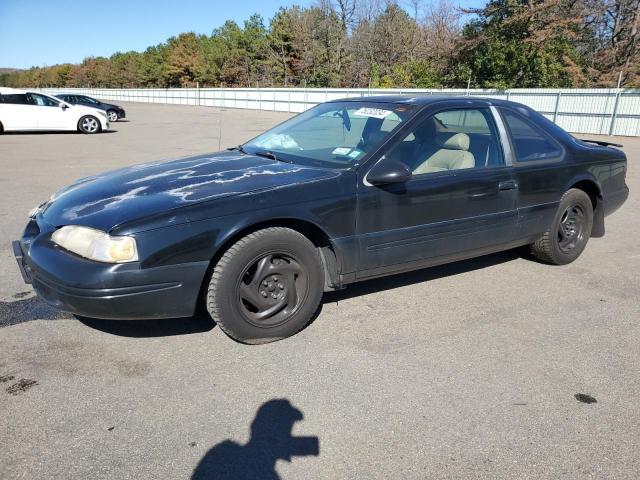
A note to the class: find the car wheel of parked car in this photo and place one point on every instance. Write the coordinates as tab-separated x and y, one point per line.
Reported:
113	115
266	286
89	124
569	232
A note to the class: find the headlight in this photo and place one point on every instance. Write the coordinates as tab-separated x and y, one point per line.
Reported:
96	245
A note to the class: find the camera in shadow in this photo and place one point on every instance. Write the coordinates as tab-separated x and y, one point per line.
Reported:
270	441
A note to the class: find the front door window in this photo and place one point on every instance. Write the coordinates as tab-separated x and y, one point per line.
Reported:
451	140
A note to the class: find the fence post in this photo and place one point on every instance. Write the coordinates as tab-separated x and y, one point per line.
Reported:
555	113
614	115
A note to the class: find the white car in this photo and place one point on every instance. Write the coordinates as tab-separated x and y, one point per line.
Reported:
24	110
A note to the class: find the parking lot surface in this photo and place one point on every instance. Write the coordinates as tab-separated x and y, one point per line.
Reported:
497	367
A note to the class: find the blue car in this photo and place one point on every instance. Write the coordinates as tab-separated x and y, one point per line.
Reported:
347	191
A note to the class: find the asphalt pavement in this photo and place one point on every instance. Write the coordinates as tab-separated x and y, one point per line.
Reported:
497	367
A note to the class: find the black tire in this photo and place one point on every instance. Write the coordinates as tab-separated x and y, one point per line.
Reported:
569	232
112	115
1	128
89	125
267	286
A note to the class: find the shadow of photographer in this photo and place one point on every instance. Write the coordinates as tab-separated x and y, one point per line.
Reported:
270	441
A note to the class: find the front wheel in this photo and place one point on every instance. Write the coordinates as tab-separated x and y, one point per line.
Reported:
267	286
113	115
89	124
569	232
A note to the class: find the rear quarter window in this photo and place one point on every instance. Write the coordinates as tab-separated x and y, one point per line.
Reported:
529	141
15	99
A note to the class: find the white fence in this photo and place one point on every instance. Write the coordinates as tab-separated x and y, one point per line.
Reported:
599	111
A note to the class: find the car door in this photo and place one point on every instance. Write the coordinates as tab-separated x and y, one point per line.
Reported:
89	102
539	169
80	100
17	112
50	115
460	201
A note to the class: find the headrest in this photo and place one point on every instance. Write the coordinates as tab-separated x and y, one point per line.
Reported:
459	141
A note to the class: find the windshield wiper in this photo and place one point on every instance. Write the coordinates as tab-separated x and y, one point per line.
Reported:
240	148
271	155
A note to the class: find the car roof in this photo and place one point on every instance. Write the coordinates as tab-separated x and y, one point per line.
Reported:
423	99
18	91
11	91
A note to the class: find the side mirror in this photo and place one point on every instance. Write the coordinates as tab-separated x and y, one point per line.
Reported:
386	172
63	106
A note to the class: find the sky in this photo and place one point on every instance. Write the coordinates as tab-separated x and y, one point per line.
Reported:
46	32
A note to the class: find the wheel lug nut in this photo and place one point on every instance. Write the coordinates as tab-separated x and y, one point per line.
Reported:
281	286
263	293
265	283
273	295
275	279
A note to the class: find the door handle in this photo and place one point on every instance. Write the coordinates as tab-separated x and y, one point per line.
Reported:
507	185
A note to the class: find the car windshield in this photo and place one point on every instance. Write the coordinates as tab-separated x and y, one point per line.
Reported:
333	135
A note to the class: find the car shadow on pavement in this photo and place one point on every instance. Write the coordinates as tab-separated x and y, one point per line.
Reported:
270	441
419	276
162	327
28	309
54	132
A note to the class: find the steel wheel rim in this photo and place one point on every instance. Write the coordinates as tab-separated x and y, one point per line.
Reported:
113	116
271	289
571	230
90	125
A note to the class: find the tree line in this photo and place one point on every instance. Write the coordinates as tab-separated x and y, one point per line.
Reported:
384	43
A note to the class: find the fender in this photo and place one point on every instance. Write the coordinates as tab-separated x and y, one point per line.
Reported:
587	182
331	254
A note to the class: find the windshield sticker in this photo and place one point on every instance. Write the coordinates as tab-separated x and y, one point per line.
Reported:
355	153
372	112
341	151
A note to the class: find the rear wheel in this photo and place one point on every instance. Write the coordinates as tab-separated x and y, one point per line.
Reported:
267	286
113	115
569	232
89	124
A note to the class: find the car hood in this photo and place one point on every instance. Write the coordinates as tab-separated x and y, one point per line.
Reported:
109	105
107	200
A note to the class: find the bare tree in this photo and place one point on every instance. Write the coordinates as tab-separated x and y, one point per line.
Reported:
442	32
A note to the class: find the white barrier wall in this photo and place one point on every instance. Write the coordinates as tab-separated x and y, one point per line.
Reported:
599	111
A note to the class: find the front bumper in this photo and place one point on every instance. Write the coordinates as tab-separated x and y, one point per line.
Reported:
124	291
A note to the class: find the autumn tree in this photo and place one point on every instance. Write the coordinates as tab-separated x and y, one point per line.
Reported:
384	43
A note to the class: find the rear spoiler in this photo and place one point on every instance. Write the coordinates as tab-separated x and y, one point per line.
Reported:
601	143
